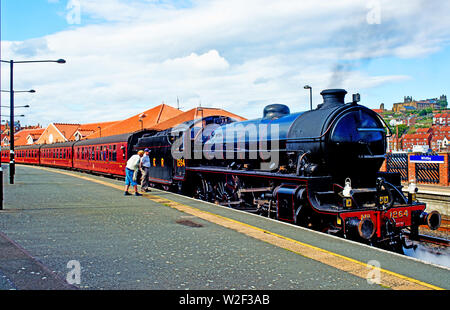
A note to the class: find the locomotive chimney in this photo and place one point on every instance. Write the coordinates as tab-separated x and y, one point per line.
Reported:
332	98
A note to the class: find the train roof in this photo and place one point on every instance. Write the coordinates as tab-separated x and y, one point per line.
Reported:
27	147
112	139
57	145
104	140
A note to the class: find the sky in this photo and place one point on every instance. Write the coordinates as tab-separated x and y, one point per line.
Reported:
127	56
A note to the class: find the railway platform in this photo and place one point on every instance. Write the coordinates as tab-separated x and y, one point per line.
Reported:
436	197
62	229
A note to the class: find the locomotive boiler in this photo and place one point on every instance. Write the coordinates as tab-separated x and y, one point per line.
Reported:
336	139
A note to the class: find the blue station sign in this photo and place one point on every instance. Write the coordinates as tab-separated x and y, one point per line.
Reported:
430	159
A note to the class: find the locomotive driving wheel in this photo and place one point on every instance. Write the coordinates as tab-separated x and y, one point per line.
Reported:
202	190
224	195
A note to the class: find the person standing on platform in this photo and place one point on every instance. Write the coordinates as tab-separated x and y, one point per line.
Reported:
131	171
145	168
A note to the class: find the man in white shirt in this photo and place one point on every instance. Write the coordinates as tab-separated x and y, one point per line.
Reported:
131	173
145	168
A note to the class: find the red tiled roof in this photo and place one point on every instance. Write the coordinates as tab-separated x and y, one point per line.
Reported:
438	137
20	137
195	113
67	130
149	119
94	126
442	128
416	136
88	129
422	130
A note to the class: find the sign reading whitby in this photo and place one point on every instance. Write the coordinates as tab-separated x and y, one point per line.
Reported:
431	159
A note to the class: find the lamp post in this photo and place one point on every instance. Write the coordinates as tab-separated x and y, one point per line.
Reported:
310	94
11	90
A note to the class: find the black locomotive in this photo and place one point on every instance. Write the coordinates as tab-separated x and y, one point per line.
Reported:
318	169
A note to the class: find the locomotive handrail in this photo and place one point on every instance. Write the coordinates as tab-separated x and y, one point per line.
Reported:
384	122
370	129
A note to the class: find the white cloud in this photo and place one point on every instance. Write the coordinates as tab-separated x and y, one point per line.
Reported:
233	54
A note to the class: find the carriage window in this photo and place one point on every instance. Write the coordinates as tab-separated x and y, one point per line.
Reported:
124	152
114	153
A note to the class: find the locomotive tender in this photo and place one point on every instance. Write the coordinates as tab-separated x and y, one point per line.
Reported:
318	168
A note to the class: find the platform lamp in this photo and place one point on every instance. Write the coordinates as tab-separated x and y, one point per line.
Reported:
310	94
11	155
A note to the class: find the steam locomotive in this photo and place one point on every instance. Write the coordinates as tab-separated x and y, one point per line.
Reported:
318	168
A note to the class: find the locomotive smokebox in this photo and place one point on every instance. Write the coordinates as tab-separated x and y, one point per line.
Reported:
332	98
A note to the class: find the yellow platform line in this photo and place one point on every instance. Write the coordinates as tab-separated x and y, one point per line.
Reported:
388	278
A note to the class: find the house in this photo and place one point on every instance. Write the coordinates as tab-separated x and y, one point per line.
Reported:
27	136
441	130
417	139
394	143
57	132
441	119
439	143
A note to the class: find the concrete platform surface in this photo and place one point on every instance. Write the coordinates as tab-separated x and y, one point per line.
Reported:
52	218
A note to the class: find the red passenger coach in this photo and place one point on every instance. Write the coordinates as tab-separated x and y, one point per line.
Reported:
106	155
5	154
27	154
57	154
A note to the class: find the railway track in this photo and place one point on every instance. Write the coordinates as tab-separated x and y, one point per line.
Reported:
433	239
439	236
